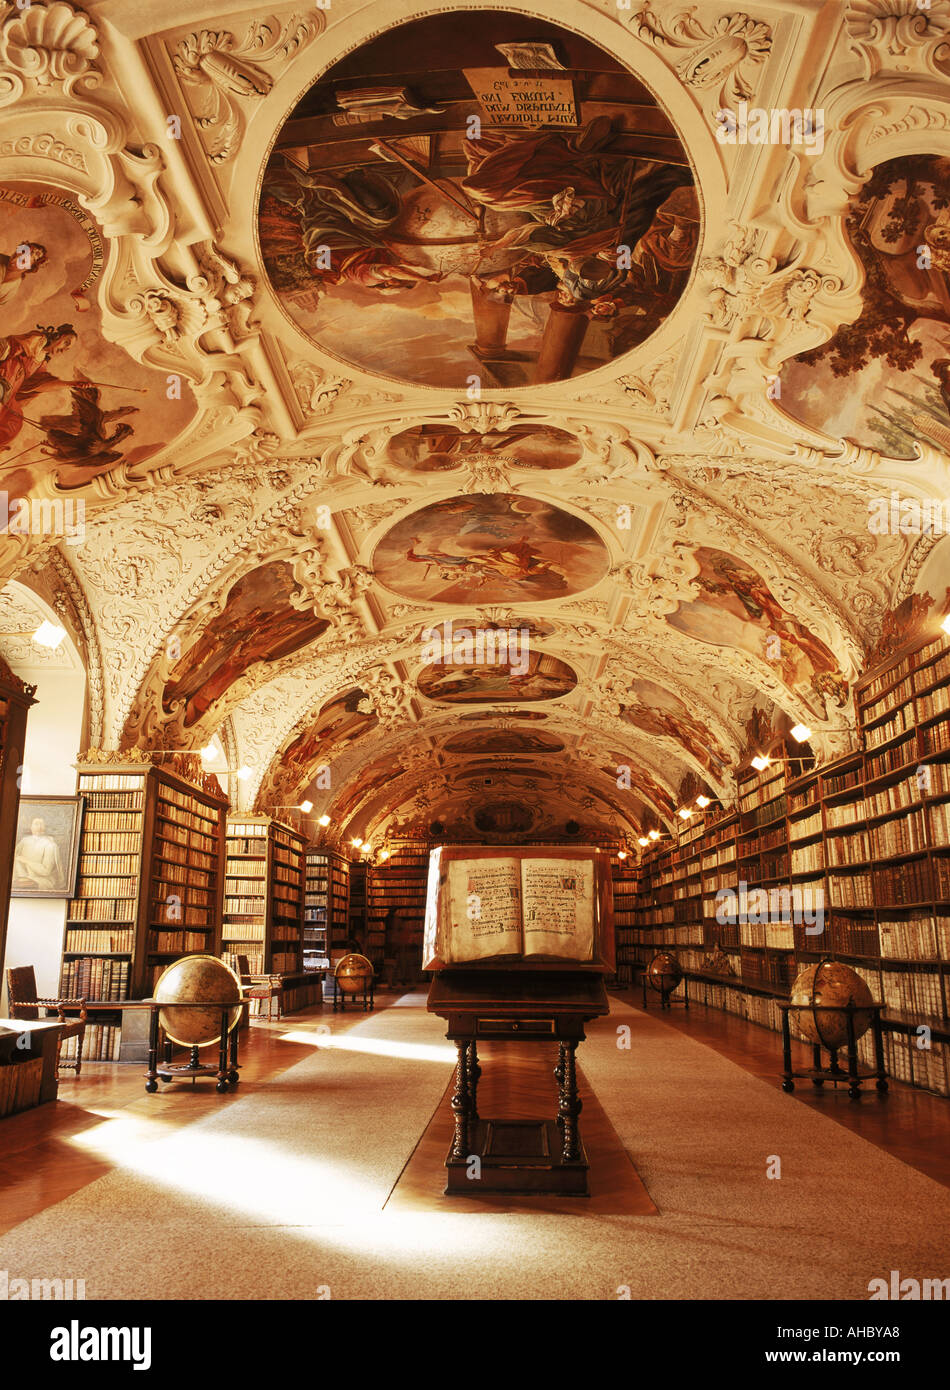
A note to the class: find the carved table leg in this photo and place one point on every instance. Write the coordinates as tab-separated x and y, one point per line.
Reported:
559	1078
474	1072
460	1103
569	1104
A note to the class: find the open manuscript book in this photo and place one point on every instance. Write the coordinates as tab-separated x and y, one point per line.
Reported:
535	905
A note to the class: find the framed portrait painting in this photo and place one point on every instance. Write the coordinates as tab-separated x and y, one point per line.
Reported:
46	849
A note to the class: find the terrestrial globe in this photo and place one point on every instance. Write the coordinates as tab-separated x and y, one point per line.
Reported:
353	974
829	984
197	980
664	972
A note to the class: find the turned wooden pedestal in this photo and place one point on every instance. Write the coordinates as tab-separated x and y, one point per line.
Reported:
517	1006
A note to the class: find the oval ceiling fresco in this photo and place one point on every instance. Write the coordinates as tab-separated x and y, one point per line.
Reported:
434	448
449	200
540	677
496	548
498	741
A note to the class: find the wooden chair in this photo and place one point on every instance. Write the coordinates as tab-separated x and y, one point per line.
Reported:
23	1002
269	987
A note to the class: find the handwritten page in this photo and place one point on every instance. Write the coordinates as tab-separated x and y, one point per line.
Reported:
558	906
484	902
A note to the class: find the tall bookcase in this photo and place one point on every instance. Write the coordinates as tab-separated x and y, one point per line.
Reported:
326	905
16	697
151	861
399	883
264	894
625	880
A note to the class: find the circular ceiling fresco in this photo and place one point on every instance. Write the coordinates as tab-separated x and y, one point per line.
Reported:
478	194
490	547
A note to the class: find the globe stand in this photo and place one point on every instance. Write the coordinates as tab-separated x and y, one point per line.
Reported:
666	991
365	996
227	1070
834	1072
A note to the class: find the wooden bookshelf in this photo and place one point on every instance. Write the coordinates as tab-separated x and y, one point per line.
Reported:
16	697
629	952
151	860
398	883
264	887
867	838
326	905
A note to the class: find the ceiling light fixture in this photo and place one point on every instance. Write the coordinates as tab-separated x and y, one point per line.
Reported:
49	635
800	733
356	843
209	752
761	761
643	841
702	801
621	854
654	834
946	623
384	854
244	772
306	807
685	812
323	820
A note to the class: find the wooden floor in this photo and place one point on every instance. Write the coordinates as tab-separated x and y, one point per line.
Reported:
39	1167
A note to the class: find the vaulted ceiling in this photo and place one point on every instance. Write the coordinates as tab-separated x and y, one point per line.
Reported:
316	365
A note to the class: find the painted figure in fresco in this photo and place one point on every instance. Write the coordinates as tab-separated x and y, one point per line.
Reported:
516	561
759	604
258	624
24	358
499	682
584	201
25	260
81	437
349	214
660	721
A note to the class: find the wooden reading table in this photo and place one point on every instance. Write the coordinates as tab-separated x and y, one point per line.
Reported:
517	1005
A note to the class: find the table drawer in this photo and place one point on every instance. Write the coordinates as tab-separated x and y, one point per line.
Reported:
514	1027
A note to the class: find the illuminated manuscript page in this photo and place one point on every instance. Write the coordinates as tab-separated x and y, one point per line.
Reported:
484	905
558	905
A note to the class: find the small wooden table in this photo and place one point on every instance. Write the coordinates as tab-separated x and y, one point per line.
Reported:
522	1004
34	1039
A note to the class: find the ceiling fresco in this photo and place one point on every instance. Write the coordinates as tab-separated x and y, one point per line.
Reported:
72	406
491	549
471	320
430	449
885	379
410	240
538	677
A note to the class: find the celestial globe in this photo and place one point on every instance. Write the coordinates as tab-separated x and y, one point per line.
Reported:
829	984
354	973
197	980
664	972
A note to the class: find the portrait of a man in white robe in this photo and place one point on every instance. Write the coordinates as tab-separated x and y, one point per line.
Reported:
44	858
